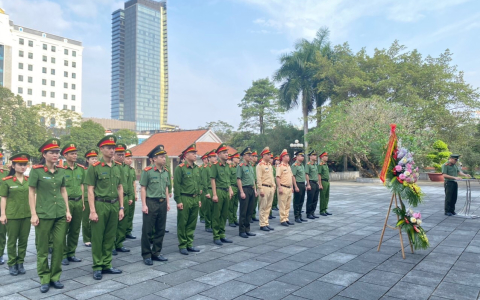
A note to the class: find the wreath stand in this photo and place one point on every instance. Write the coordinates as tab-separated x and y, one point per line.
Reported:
385	225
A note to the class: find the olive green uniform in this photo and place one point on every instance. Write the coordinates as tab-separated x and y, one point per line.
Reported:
186	182
221	173
233	207
255	202
86	223
155	182
325	192
128	193
201	214
105	179
298	171
247	176
450	186
131	207
51	211
3	228
18	218
207	189
74	179
312	195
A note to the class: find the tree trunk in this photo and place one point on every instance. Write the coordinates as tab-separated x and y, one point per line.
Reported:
319	115
262	129
345	163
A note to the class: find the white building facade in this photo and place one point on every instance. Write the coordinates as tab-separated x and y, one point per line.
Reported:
42	68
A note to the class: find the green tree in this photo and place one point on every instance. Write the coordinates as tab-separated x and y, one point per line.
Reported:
127	137
86	137
221	128
296	74
260	108
439	155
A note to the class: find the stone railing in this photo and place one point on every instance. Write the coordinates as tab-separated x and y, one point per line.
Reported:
344	176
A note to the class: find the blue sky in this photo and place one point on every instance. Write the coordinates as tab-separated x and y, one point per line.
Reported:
218	47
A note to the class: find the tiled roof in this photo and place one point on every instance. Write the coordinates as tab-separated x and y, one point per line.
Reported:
203	147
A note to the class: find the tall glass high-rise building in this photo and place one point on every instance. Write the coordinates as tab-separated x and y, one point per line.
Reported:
140	64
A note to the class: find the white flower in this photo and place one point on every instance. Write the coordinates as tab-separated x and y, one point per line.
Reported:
419	222
407	173
413	220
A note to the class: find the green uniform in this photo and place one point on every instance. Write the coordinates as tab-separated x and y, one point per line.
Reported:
312	195
51	211
3	228
221	173
186	182
247	176
128	193
105	179
74	179
18	217
131	207
207	203
298	171
155	181
450	186
325	192
201	214
233	207
86	223
275	199
255	203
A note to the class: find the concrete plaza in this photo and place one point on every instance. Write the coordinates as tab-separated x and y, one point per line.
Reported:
332	257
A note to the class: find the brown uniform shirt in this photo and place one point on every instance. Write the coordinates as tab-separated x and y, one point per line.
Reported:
265	175
284	172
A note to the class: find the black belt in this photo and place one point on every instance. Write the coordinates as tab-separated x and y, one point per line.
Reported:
267	185
156	199
288	187
313	181
106	201
325	180
75	199
247	186
223	189
300	183
188	195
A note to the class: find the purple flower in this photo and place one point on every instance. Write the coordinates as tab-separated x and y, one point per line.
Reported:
398	168
402	176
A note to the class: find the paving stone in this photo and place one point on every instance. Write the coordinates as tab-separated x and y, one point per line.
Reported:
358	266
319	290
464	278
340	277
321	266
285	266
409	291
272	258
259	277
382	278
230	249
423	278
396	267
219	277
199	297
248	266
299	277
292	249
140	276
95	290
466	266
273	290
433	267
339	257
140	289
35	293
180	277
212	266
229	290
18	287
239	256
184	290
364	291
174	266
456	291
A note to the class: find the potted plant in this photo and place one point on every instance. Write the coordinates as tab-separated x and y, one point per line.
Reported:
437	158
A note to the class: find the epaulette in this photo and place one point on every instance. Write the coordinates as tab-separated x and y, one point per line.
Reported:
215	163
1	170
147	169
181	165
8	177
96	164
242	164
37	166
82	166
205	166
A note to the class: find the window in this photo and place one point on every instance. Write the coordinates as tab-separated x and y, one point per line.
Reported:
74	64
52	60
30	79
20	66
52	120
44	82
74	53
42	119
69	123
30	43
52	94
65	85
65	96
73	97
73	107
52	72
65	51
20	77
29	91
29	103
44	70
30	55
65	74
53	49
44	58
21	41
45	47
74	75
20	53
73	86
30	67
20	90
52	83
65	63
65	107
44	94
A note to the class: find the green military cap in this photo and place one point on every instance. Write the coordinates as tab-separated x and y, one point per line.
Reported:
313	152
120	147
221	148
158	150
254	153
456	156
128	153
69	147
190	148
20	157
324	154
50	144
108	140
91	153
300	152
247	150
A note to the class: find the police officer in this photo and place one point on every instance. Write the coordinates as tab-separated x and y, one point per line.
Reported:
221	195
119	158
91	157
15	212
284	188
50	211
247	192
254	165
311	176
324	184
186	182
74	179
233	207
203	188
154	184
266	188
132	195
450	173
207	184
298	171
3	229
105	198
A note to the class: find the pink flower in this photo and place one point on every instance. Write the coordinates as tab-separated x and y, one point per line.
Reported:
402	176
417	215
398	168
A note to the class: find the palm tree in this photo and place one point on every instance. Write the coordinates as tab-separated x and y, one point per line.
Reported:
297	76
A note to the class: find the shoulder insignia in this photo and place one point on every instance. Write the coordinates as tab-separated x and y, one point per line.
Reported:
205	166
82	166
181	165
1	170
37	166
7	178
96	164
147	169
215	163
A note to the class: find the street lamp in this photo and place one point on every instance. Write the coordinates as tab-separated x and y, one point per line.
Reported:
296	145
